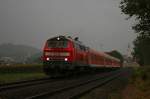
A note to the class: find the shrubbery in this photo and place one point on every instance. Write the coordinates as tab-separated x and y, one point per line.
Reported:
141	78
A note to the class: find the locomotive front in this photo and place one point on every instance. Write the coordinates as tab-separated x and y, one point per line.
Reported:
57	55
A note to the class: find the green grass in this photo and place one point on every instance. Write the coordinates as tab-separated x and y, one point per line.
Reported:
21	68
141	78
13	77
140	82
139	85
14	73
115	95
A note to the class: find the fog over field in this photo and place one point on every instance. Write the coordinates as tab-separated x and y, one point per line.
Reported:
98	23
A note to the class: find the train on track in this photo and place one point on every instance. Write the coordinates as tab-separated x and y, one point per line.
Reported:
63	54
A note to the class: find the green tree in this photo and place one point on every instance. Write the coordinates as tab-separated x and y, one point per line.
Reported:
142	50
140	10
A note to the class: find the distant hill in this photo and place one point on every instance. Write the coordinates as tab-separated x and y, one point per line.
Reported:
20	53
36	58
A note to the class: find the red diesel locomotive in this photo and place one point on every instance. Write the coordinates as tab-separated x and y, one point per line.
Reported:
62	54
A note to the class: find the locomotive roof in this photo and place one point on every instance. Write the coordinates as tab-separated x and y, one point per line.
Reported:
67	38
55	38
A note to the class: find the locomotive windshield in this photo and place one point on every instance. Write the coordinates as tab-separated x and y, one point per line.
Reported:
57	44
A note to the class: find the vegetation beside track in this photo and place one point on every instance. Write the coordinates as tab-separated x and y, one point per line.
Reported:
139	85
14	73
137	88
111	90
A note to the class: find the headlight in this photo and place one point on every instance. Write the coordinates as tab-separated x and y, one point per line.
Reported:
66	59
47	59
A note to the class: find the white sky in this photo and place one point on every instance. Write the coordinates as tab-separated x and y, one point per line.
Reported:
98	23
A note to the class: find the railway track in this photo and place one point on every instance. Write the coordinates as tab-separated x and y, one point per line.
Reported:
58	89
24	83
76	89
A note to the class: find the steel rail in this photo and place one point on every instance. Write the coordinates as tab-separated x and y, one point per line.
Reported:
57	92
19	84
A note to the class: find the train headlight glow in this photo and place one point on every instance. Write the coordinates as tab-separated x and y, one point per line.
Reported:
66	59
58	38
47	59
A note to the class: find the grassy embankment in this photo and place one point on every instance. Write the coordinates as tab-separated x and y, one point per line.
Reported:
139	86
20	72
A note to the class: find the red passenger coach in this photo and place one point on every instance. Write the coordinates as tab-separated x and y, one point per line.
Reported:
62	54
101	59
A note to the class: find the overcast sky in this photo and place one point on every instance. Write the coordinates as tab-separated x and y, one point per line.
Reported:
97	23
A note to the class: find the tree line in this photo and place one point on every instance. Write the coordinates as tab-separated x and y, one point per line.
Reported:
140	11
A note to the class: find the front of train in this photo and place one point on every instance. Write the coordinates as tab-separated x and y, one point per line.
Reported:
57	55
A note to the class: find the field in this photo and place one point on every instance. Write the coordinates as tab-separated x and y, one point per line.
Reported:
14	73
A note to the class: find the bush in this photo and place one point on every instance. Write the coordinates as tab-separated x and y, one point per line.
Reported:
141	78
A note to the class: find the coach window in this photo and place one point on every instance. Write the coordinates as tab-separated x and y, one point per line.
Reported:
95	57
77	46
80	47
83	48
86	49
73	45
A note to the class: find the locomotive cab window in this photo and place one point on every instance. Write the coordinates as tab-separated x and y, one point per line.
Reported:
57	43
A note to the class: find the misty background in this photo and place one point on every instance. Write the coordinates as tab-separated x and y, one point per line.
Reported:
98	23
